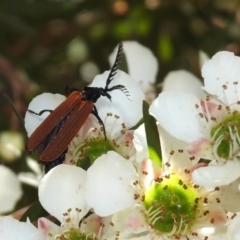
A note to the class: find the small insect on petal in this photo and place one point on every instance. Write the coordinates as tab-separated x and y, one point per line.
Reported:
51	138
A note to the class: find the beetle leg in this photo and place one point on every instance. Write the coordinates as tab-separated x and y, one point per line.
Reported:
41	112
95	113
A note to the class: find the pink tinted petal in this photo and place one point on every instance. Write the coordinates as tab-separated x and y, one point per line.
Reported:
47	227
45	101
120	104
62	189
109	185
178	113
183	81
219	175
220	74
136	222
201	148
216	213
130	221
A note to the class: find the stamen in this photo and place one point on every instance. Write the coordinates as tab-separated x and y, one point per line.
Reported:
174	229
237	135
207	114
215	147
231	142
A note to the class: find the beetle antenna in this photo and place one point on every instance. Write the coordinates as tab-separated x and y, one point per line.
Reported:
122	88
114	68
13	108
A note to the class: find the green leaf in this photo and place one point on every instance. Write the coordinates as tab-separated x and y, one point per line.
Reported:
34	212
153	141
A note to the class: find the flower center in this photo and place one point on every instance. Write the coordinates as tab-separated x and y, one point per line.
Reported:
92	150
172	204
226	139
74	234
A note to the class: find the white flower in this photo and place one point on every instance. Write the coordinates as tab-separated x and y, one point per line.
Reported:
90	143
210	127
128	109
31	178
44	101
10	190
61	193
11	145
142	66
12	229
183	81
109	186
151	202
117	116
119	105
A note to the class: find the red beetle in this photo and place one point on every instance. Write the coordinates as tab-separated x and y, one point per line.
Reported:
52	137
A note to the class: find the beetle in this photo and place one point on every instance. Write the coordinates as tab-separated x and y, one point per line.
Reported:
51	138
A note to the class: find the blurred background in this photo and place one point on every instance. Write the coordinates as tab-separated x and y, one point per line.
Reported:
46	45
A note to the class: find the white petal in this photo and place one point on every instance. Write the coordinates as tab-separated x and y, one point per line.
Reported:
183	81
180	159
129	110
140	144
48	227
203	57
142	64
10	189
234	228
109	186
229	196
28	178
177	113
223	70
34	166
131	221
62	189
45	101
12	229
219	175
214	232
31	178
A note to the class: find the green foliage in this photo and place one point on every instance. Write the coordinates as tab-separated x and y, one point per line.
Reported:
152	136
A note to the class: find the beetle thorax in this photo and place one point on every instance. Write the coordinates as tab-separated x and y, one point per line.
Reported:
93	93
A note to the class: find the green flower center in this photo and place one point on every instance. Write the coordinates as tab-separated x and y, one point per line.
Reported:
90	151
225	136
172	204
74	234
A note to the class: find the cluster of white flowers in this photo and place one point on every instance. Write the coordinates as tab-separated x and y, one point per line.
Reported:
190	190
